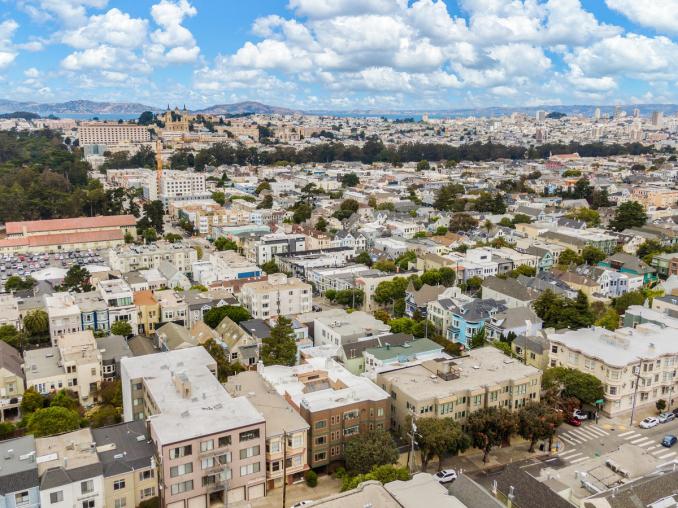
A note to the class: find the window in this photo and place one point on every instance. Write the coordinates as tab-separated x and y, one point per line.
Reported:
445	408
249	435
146	475
380	411
321	424
321	440
274	446
148	492
297	441
350	431
181	451
207	463
252	451
118	484
181	469
87	487
554	349
589	364
21	498
275	466
120	503
250	469
206	446
348	415
56	497
225	458
224	441
180	487
320	456
88	504
294	461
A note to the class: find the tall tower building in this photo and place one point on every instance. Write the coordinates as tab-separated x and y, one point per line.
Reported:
541	115
657	118
596	114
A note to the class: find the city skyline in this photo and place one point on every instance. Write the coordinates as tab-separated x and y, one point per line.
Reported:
317	54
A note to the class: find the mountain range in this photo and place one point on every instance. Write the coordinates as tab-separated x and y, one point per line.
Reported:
85	107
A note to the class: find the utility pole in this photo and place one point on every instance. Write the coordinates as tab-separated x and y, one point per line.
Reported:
284	496
635	392
410	452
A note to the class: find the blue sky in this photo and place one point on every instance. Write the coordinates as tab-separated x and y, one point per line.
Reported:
341	54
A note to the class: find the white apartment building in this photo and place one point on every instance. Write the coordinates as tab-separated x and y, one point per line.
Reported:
518	258
112	134
64	315
265	248
128	258
277	296
338	327
73	364
182	186
225	265
645	356
119	297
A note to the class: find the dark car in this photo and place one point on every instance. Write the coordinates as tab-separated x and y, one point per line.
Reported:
669	441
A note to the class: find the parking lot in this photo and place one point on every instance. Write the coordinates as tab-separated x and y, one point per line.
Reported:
25	265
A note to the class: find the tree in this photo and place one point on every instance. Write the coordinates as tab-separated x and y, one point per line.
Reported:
219	197
153	213
281	347
347	208
384	265
121	328
569	257
311	478
462	222
150	235
538	421
104	415
623	302
77	279
423	165
490	427
146	118
172	237
31	401
439	437
266	203
350	297
216	315
223	243
446	197
628	215
558	312
591	217
110	392
660	405
609	319
224	367
321	224
478	339
648	248
350	180
592	255
527	271
365	451
363	258
263	186
10	335
66	399
16	283
568	382
383	474
301	213
403	261
270	267
53	420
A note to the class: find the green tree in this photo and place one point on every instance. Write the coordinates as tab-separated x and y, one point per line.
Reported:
16	283
266	203
527	271
446	198
384	265
225	368
172	237
462	222
216	315
77	279
104	415
350	297
569	257
609	319
521	218
66	399
660	405
363	258
311	478
365	451
628	215
31	401
10	335
146	118
223	243
478	339
150	235
121	328
219	197
591	217
423	165
383	474
623	302
321	224
403	261
538	421
350	180
110	392
301	213
439	437
270	267
280	348
592	255
153	213
648	248
490	427
263	186
568	382
6	430
53	420
347	208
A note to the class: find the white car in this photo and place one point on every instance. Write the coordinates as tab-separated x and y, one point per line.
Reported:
666	417
301	504
446	475
579	414
649	422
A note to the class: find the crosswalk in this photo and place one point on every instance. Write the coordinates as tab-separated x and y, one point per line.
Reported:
648	444
580	435
573	456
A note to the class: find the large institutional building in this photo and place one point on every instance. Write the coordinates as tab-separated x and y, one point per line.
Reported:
112	134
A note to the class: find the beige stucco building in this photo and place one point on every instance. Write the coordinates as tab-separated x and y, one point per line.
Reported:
278	296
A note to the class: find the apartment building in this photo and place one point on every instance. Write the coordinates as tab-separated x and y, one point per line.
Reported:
127	456
336	404
120	302
101	133
226	265
70	471
129	258
75	364
209	446
634	364
276	296
11	382
9	311
338	327
173	307
148	311
286	430
205	217
64	315
93	311
455	388
577	239
19	482
180	186
264	249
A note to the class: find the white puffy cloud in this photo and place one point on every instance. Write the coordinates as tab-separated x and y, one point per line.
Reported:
175	38
68	12
104	57
7	50
661	15
331	8
115	27
32	72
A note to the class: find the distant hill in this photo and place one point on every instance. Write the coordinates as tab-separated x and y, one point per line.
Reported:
245	107
78	107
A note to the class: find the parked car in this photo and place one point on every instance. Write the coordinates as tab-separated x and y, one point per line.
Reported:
446	475
649	422
669	441
574	421
675	411
579	414
666	417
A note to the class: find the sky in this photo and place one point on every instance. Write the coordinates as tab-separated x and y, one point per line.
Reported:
341	54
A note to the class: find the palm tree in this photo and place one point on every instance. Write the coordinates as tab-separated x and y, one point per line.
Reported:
36	322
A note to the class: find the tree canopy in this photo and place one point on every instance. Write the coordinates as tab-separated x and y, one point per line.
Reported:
568	382
439	437
53	420
628	215
280	348
214	316
365	451
490	427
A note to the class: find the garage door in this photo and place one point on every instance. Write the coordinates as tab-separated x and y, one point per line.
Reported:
236	495
256	491
197	502
176	504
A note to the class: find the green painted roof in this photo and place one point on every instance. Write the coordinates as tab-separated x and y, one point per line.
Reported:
408	349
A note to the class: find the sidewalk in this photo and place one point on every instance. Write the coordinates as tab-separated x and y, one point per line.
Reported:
327	486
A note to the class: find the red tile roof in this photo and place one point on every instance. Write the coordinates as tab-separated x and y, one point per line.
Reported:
63	238
37	226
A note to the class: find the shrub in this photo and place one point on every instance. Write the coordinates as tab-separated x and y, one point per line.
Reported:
311	478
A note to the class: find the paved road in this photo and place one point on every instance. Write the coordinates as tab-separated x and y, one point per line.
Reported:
589	440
